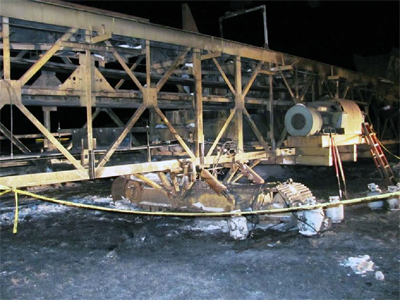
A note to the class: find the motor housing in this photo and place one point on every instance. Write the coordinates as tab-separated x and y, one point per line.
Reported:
328	115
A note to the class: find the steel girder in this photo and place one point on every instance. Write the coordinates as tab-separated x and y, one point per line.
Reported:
281	73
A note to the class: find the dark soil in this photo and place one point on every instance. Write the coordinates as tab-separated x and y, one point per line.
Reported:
80	254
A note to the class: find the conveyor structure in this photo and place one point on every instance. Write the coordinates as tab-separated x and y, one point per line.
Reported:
88	94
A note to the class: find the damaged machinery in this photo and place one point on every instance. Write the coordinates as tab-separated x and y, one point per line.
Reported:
162	110
207	193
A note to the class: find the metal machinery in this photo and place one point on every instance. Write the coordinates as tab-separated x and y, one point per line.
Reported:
312	125
176	101
339	116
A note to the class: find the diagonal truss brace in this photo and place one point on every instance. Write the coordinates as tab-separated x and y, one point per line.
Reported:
132	68
171	69
50	137
13	139
174	132
106	157
124	66
222	131
255	130
119	123
288	86
252	78
224	76
45	58
309	81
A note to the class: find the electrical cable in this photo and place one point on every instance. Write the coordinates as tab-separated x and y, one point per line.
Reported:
303	221
388	150
220	153
254	220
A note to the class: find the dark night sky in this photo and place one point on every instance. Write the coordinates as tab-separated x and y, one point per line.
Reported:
326	31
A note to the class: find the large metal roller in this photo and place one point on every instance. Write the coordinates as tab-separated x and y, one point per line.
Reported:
328	115
303	121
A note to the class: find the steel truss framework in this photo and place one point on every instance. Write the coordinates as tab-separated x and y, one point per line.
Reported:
48	38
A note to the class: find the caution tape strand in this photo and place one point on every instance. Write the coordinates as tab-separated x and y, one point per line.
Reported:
199	214
15	228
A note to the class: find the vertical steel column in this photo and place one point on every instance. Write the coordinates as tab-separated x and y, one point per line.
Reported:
271	112
7	61
148	78
47	124
319	87
266	42
88	95
313	90
152	113
152	124
6	49
239	113
296	84
199	139
337	89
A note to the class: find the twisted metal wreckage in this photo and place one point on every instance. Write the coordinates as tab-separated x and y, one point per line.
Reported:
189	94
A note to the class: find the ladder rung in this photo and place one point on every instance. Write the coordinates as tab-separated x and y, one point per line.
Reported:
377	153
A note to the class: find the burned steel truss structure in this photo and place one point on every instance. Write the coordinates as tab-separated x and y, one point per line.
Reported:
180	83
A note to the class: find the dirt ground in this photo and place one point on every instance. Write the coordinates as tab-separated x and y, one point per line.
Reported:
67	253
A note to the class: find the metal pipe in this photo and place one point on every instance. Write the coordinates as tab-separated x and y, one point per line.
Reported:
241	12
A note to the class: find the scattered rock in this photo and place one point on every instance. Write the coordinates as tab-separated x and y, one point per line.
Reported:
379	276
208	226
140	236
173	233
112	254
360	265
5	273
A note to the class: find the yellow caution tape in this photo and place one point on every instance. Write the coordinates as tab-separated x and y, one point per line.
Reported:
15	229
203	214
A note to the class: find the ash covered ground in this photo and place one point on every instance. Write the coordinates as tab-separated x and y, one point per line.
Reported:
68	253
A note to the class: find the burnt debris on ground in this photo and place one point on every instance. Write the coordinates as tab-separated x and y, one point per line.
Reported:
62	253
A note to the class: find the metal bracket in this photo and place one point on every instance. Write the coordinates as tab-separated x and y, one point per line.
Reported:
150	97
239	101
101	38
10	92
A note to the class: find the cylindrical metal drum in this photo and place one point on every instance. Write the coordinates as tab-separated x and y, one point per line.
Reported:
238	229
303	121
310	221
373	191
392	203
336	213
